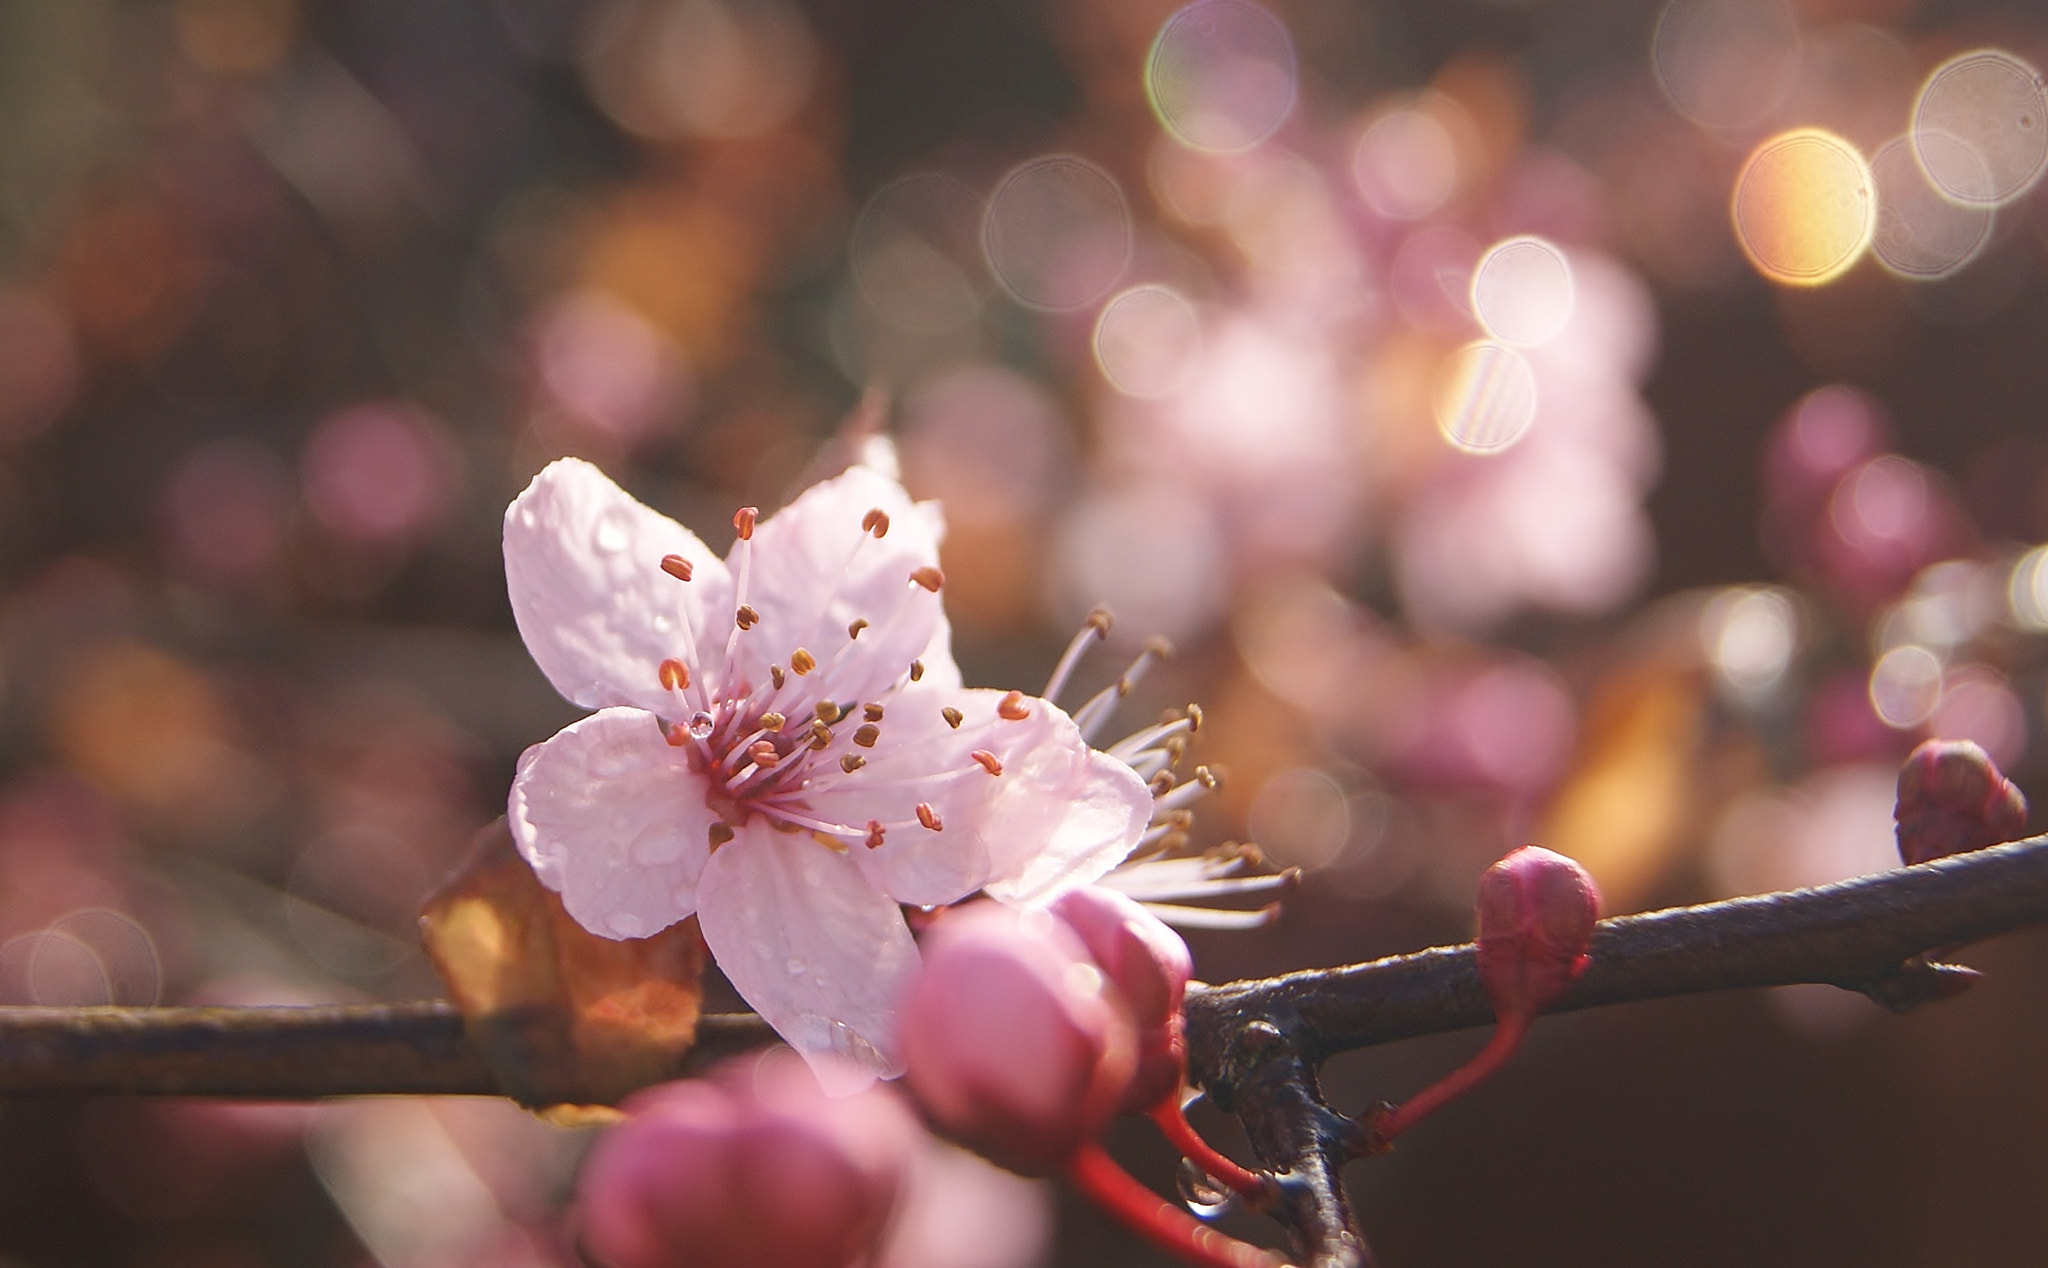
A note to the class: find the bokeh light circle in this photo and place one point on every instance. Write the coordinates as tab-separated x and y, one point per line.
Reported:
2027	591
912	252
1726	64
1993	109
1301	818
1057	233
1804	207
1905	686
1405	164
1920	234
1486	398
1147	341
1522	291
1750	635
1221	75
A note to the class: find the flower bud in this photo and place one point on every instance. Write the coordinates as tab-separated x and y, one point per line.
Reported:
1952	799
1011	1041
754	1165
1149	966
1537	910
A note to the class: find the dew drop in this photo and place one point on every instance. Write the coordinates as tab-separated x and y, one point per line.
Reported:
795	967
851	1044
656	847
700	725
612	533
624	924
1204	1198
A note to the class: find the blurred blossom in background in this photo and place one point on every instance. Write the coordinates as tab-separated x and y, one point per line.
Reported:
1616	427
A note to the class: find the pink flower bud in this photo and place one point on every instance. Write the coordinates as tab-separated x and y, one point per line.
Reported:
1952	799
754	1165
1537	910
1149	966
1012	1043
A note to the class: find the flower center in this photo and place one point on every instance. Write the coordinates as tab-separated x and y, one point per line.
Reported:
774	747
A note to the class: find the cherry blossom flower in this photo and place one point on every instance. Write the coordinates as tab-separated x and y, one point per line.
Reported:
783	747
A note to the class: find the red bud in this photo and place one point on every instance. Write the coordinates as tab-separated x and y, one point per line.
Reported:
1952	799
1012	1042
1537	910
753	1165
1148	965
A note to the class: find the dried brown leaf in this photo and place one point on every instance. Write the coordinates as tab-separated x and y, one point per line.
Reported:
560	1014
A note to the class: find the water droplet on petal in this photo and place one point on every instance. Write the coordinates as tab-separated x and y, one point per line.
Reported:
1204	1198
851	1044
612	532
654	848
700	726
624	924
795	967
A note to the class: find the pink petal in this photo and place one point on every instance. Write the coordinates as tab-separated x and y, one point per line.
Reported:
805	940
613	819
1059	814
816	571
1072	814
583	568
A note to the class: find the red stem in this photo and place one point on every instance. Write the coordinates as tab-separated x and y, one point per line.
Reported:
1257	1189
1507	1036
1155	1219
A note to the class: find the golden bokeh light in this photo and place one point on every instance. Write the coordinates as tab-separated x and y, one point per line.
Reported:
1804	207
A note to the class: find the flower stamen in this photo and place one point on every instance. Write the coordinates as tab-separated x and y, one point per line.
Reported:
929	817
1092	715
1095	628
989	761
676	566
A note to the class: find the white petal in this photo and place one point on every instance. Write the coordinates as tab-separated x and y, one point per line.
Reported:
1064	815
1059	814
820	955
816	571
613	819
920	758
583	568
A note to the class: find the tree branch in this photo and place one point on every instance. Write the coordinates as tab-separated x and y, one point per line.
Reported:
278	1053
1255	1046
1865	935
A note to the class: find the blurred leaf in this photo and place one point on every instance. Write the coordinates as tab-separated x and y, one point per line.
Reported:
560	1014
1623	810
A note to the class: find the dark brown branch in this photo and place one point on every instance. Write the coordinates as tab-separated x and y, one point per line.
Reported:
1255	1045
1851	934
276	1053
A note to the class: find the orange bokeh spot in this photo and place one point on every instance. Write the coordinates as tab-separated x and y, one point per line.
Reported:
1804	207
